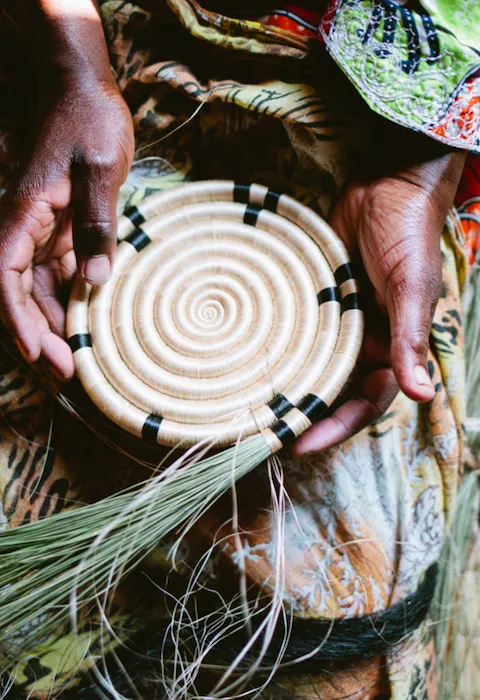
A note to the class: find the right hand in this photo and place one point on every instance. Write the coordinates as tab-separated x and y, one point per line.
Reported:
392	225
60	214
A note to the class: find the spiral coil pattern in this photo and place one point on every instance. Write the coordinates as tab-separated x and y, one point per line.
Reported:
231	311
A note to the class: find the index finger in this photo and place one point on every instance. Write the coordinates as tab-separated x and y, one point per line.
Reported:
377	391
17	248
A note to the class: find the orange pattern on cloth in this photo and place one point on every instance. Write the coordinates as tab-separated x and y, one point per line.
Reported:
468	204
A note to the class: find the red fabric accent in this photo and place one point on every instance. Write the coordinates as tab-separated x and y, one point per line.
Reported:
290	25
469	188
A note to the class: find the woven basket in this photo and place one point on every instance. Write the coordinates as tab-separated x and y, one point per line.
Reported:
232	311
231	318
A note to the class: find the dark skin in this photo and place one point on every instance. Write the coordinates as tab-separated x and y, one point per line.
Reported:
60	215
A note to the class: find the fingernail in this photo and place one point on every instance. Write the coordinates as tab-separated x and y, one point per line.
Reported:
421	376
97	269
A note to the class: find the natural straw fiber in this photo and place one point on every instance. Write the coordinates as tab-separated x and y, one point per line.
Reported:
231	315
232	311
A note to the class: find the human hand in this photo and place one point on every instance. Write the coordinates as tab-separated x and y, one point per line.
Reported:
392	226
61	212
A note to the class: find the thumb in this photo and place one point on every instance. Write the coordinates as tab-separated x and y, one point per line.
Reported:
412	294
95	192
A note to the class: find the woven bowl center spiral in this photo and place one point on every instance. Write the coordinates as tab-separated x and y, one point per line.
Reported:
224	311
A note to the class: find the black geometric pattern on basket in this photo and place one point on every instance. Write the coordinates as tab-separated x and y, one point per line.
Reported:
311	406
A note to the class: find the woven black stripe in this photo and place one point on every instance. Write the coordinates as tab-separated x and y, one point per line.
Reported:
343	273
313	407
328	294
135	216
251	215
280	405
283	432
271	201
241	193
351	301
79	341
150	428
139	239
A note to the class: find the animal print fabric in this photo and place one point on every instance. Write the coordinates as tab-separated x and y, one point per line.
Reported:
214	95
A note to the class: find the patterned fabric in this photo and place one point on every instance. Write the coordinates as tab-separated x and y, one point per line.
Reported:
468	203
419	68
366	519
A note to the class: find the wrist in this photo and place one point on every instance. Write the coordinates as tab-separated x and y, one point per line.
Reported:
68	41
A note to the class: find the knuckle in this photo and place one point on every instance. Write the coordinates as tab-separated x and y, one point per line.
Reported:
102	163
415	280
370	410
416	339
342	425
93	237
419	339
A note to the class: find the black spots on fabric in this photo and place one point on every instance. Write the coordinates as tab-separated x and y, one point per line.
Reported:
418	686
12	456
443	348
391	18
453	313
149	121
28	395
20	415
14	385
16	475
40	453
376	429
451	331
132	69
30	471
54	501
373	24
45	474
193	89
34	670
136	21
384	418
377	434
446	332
438	386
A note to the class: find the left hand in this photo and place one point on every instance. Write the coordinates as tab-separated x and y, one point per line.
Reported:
392	225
